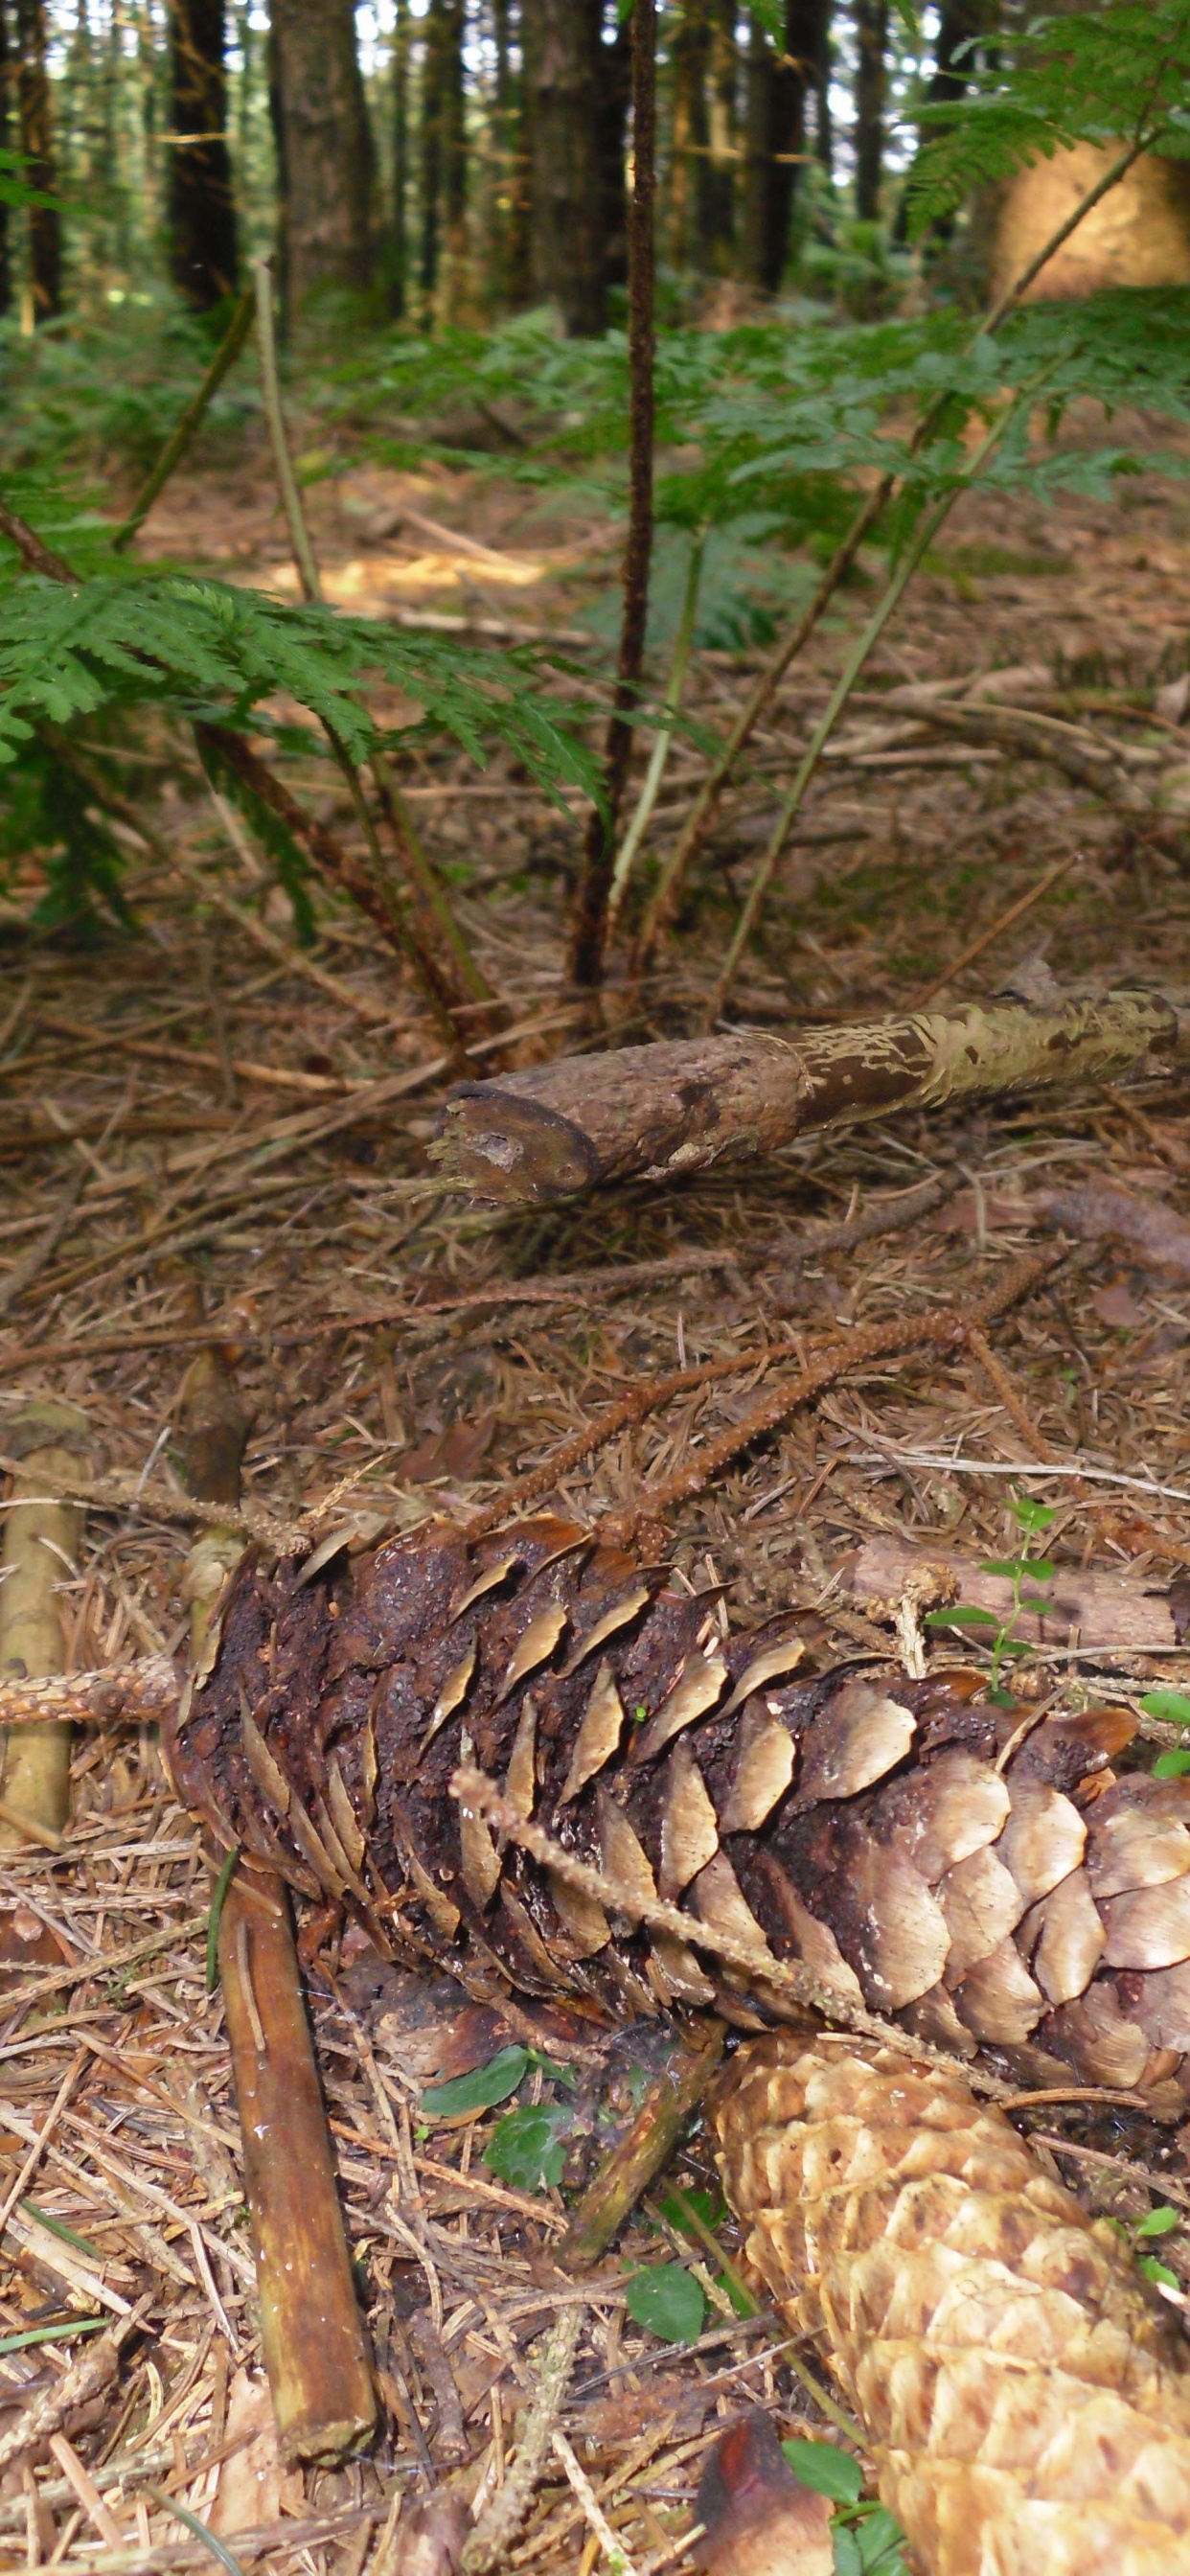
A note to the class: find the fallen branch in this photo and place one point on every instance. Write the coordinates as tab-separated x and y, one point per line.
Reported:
657	1111
311	2331
1109	1610
41	1539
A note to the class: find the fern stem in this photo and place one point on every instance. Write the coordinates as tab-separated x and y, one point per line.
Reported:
588	934
270	387
182	437
445	967
661	748
861	650
667	895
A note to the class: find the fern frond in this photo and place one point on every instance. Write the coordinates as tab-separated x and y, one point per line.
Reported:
1095	76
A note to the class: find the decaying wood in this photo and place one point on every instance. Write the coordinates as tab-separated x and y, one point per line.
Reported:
311	2331
776	1838
310	2324
670	2102
41	1539
1087	1608
1025	2400
655	1111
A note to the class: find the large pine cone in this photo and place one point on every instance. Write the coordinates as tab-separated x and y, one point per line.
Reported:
983	1879
1027	2408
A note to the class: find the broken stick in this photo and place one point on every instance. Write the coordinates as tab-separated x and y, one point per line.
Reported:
311	2330
654	1112
41	1539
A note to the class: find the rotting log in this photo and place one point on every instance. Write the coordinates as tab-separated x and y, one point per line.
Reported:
1026	2403
41	1539
655	1112
311	2331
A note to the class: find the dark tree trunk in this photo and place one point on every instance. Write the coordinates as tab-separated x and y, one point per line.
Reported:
613	62
202	219
720	195
959	21
777	94
399	242
444	162
324	149
564	99
511	255
37	144
431	157
871	28
690	173
454	158
5	145
824	133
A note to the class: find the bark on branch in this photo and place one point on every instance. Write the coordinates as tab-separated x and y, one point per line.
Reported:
654	1111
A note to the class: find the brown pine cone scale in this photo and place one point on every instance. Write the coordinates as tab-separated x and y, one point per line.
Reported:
988	1883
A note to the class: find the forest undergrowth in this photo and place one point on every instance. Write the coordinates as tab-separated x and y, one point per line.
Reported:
220	1099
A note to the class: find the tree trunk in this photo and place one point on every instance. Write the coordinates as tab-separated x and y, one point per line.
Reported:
399	238
960	22
5	145
777	93
431	157
324	150
452	108
720	193
37	144
871	28
613	73
562	44
444	164
202	217
690	169
658	1110
509	213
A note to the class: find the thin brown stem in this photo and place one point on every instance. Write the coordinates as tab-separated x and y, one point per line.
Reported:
665	901
182	438
588	932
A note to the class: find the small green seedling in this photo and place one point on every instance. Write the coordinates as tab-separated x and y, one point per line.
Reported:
1174	1707
1031	1519
867	2540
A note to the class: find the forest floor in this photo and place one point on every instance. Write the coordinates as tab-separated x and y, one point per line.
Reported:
204	1108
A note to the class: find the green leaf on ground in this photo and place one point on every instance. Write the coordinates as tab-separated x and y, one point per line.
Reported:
668	2302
